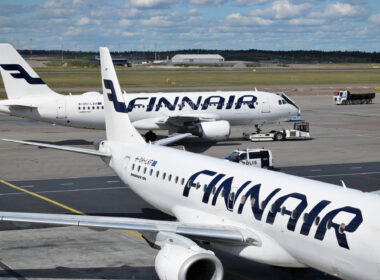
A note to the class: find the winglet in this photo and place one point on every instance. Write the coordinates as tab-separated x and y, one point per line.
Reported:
118	125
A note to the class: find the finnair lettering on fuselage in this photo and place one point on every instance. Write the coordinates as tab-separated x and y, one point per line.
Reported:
155	104
252	196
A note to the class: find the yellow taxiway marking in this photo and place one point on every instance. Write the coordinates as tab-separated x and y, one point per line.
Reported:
59	204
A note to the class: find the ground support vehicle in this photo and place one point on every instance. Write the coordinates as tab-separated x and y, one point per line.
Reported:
300	131
344	97
254	157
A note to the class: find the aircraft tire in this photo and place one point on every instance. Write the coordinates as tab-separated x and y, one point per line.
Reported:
279	136
150	136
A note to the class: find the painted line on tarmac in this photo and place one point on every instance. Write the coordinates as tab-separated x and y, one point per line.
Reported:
342	174
11	272
60	204
344	113
66	184
63	191
350	135
42	197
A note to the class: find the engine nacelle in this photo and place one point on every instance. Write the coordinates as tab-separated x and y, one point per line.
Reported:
175	262
97	143
216	130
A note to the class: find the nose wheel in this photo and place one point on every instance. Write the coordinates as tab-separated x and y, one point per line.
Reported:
150	136
258	128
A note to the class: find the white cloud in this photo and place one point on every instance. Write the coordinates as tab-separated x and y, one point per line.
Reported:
193	12
375	18
210	3
306	21
249	2
127	34
158	21
281	9
84	21
54	4
339	9
150	3
238	19
72	31
125	22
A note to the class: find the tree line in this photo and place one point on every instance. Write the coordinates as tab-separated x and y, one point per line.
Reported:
252	55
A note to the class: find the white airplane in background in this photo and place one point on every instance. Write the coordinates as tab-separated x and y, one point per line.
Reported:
259	215
205	114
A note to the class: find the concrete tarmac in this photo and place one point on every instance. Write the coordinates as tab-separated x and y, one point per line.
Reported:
345	145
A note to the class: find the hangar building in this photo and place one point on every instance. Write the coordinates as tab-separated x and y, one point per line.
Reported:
198	58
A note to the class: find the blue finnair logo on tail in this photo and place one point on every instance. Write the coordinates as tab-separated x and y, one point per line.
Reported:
119	106
22	74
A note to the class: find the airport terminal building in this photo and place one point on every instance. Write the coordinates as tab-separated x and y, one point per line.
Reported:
197	59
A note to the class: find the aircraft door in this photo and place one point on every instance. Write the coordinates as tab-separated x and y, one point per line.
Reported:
126	161
265	105
61	108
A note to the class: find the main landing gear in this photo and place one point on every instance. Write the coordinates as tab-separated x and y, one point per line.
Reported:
150	136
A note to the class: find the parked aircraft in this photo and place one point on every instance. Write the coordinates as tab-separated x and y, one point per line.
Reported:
260	215
205	114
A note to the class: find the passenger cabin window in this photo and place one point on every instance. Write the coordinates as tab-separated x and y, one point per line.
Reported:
151	172
157	173
144	170
133	166
164	176
170	177
176	179
183	181
138	168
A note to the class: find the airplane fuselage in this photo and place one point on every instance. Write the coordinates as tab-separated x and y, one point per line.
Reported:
300	222
150	111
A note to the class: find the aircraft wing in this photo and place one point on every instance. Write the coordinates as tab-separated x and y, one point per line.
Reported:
170	140
198	232
180	120
63	148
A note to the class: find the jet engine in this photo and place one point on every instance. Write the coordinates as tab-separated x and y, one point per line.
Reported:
175	262
97	143
215	130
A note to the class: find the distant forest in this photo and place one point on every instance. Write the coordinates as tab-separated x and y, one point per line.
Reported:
232	55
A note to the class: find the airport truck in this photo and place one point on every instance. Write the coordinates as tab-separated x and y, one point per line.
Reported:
343	97
261	158
300	131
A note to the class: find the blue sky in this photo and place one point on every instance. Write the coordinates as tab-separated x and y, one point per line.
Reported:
184	24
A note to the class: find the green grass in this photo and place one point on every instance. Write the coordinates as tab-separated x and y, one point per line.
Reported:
202	79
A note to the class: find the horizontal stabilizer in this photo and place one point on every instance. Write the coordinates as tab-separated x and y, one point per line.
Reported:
63	148
198	232
171	140
18	103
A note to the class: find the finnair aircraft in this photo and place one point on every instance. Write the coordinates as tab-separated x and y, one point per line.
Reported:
259	215
205	114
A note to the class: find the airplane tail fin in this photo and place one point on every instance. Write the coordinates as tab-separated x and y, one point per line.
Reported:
118	125
19	78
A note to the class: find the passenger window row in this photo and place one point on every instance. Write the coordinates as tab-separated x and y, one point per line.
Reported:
164	175
89	108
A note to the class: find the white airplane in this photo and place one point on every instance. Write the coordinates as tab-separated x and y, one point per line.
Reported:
205	114
256	214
